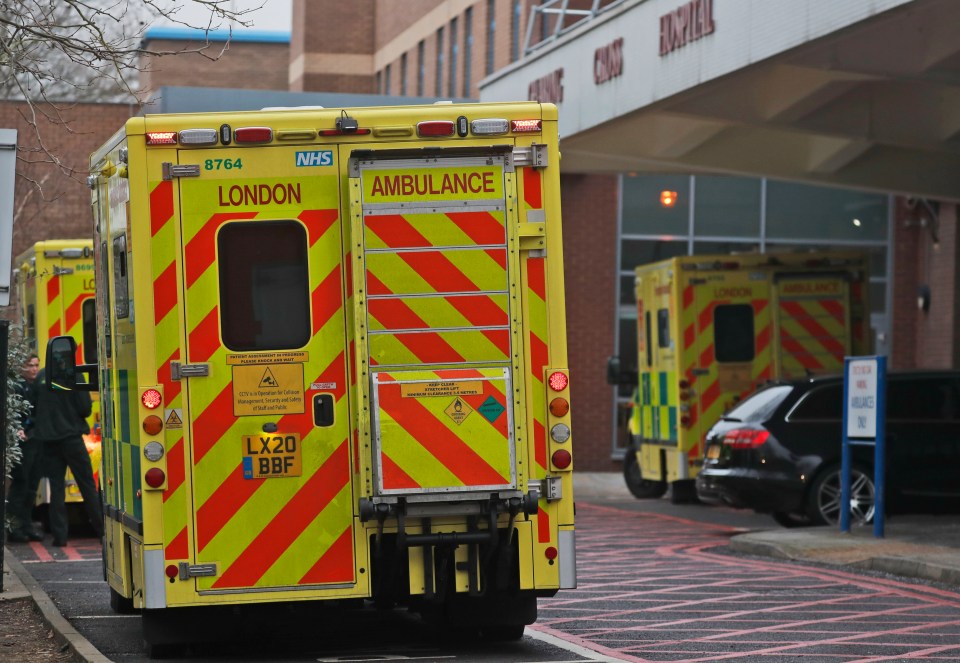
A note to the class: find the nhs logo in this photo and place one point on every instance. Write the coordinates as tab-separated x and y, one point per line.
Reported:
315	158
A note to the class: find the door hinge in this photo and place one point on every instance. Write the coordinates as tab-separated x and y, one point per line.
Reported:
171	170
534	156
188	570
178	370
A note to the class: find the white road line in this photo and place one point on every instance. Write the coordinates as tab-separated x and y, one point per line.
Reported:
580	650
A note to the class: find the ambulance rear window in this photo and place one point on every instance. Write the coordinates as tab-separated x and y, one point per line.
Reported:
733	332
264	287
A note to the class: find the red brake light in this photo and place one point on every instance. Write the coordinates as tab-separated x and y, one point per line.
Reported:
151	399
172	571
161	138
558	381
341	132
525	126
550	553
253	135
436	128
745	438
561	459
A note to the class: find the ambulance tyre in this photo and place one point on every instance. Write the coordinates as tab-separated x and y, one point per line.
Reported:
502	632
120	604
684	491
157	651
643	489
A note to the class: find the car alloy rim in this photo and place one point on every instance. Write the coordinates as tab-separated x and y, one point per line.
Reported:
862	498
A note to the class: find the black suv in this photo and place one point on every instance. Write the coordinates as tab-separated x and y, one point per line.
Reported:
778	451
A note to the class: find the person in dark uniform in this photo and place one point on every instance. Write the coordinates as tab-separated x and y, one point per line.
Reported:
61	422
26	476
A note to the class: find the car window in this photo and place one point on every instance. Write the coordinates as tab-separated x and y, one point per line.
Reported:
760	405
819	404
923	399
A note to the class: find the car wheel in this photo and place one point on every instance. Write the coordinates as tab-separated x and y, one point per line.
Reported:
823	502
791	520
639	487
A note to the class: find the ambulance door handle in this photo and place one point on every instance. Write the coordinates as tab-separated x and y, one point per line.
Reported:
323	410
178	370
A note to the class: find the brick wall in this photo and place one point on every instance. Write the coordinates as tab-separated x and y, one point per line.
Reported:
250	65
926	248
589	245
52	202
332	49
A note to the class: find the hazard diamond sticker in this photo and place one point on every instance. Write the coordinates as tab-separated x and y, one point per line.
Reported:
458	411
491	409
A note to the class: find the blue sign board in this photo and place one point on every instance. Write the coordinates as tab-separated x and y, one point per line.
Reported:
864	423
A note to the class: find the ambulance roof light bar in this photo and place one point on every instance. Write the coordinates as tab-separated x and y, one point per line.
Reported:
435	128
161	138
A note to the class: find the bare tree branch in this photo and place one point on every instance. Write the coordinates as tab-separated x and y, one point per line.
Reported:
57	53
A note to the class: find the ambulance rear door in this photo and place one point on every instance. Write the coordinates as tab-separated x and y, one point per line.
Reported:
813	323
732	326
436	293
264	369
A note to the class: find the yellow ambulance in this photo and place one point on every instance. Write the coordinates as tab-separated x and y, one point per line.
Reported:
712	328
332	363
55	294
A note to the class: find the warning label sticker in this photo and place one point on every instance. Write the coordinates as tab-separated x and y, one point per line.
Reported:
458	411
267	389
295	357
449	388
173	418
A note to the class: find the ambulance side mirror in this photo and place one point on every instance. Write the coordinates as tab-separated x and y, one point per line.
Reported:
61	370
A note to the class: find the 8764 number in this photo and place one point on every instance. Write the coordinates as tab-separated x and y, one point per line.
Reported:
222	164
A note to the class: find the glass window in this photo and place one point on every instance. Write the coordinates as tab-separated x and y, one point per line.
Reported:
467	49
30	331
515	31
645	214
628	352
820	404
439	68
491	34
454	53
421	68
733	332
760	405
403	74
121	294
797	211
103	291
88	315
723	248
634	252
726	206
927	399
627	294
386	80
264	287
663	328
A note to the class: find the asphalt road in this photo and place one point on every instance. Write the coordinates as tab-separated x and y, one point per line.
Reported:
656	583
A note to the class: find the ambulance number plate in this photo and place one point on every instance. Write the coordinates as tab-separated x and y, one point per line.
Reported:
271	455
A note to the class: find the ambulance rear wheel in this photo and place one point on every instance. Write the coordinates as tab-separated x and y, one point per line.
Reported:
639	487
121	604
502	632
